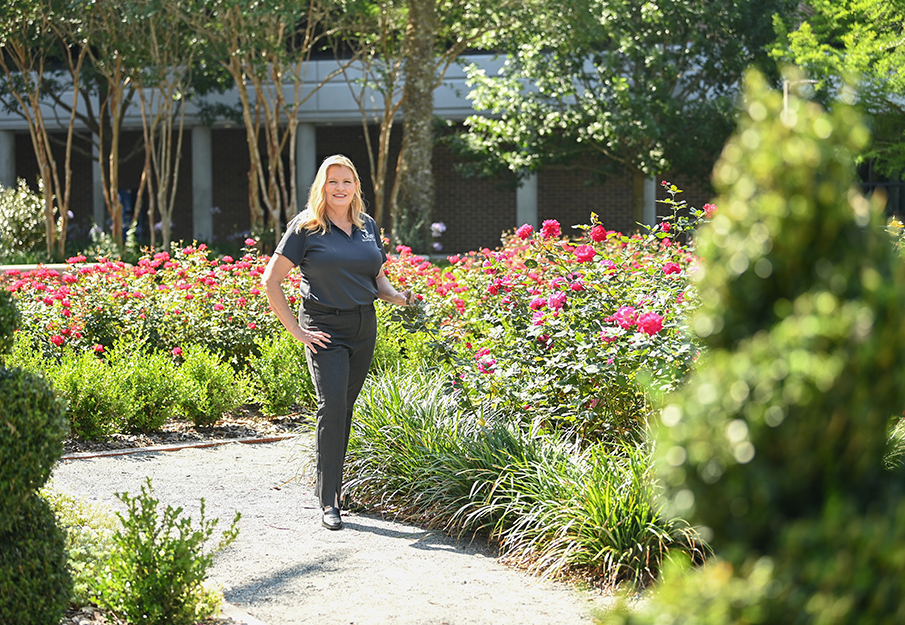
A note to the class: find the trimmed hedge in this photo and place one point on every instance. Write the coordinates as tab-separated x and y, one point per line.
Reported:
35	583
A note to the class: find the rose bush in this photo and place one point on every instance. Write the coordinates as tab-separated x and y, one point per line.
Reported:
567	333
178	298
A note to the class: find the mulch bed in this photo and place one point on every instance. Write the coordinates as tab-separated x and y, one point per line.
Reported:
246	423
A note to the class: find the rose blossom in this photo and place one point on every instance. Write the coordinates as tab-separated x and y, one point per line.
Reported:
550	229
709	210
584	253
625	317
524	231
556	300
669	268
598	234
650	323
177	351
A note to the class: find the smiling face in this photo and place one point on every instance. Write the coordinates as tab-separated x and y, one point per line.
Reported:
339	190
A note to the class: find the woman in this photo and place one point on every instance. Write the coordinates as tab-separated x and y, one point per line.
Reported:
337	246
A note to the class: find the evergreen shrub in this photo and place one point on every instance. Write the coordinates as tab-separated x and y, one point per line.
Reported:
22	229
209	387
279	374
149	375
35	583
155	572
32	428
9	321
97	396
777	446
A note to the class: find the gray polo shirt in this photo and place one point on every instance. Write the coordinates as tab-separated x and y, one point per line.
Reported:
338	270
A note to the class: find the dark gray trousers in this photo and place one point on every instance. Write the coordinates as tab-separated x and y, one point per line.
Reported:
338	372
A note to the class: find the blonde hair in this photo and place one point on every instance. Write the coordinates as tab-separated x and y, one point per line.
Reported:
314	216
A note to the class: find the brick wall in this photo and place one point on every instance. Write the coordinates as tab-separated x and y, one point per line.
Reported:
476	211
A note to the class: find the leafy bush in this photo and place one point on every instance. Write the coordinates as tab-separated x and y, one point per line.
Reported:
415	455
97	397
32	428
22	229
279	375
150	377
777	445
158	564
562	333
89	532
209	388
35	584
173	299
9	321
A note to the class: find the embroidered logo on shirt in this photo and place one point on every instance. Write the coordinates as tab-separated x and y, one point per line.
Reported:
367	237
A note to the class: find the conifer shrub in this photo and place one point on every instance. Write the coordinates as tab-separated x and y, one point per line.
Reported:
777	447
35	583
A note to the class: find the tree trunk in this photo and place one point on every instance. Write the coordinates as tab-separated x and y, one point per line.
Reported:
412	211
638	178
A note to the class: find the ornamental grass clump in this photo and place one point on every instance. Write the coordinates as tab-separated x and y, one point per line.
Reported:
555	510
777	447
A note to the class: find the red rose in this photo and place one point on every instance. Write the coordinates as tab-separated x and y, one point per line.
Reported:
650	323
584	253
598	234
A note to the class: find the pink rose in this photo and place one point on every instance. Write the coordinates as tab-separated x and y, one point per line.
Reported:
218	306
556	300
665	226
709	210
550	229
537	303
650	323
98	348
177	351
598	234
57	340
584	253
669	268
625	317
524	231
249	242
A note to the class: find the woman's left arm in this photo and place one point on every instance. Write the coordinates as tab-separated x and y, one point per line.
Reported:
388	293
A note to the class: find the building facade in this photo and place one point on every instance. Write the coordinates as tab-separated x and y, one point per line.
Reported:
212	193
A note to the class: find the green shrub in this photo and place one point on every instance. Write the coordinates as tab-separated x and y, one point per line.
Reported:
32	428
150	375
22	229
776	447
158	564
35	584
89	532
97	397
279	374
209	387
9	321
26	354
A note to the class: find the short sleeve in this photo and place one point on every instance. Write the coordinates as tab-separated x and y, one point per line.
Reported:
371	225
294	242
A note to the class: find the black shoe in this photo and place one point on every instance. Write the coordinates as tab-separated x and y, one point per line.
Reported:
332	520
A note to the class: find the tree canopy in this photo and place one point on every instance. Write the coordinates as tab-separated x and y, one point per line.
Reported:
837	40
618	85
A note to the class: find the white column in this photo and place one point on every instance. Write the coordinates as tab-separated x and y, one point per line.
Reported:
305	162
7	159
526	201
650	201
100	207
202	184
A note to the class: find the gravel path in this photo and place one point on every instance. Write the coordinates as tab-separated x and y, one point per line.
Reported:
285	569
